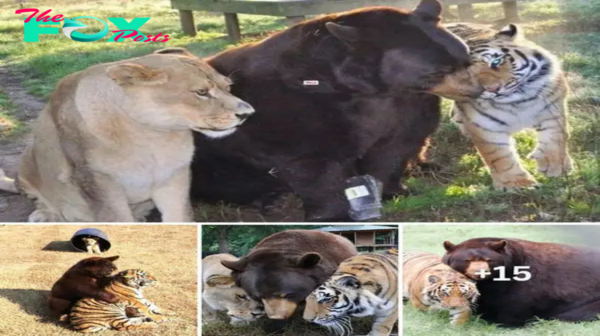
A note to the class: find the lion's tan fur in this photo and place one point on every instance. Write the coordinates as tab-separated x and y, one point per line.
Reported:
219	292
114	140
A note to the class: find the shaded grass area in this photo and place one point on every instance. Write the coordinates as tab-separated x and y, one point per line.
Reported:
10	126
43	253
296	327
430	238
459	192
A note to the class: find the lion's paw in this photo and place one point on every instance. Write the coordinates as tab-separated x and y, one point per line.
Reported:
42	216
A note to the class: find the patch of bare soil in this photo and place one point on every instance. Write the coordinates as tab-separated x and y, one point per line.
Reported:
14	207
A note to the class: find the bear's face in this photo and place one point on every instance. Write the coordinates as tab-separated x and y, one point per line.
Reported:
399	50
279	281
476	258
96	267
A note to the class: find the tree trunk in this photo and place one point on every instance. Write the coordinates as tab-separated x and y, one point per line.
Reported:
223	238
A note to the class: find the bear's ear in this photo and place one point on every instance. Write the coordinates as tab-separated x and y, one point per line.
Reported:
348	281
219	280
113	258
434	279
509	33
238	265
449	246
308	260
135	74
497	246
344	33
174	51
429	10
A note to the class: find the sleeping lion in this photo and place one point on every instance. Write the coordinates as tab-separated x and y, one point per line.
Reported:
115	139
220	293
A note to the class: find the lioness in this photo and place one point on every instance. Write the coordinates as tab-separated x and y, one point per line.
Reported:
114	140
219	292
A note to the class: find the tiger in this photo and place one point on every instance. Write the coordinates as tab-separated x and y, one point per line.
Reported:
133	311
524	87
429	284
363	285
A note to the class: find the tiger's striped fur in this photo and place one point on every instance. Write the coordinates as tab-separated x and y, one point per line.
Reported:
132	311
524	88
430	284
363	285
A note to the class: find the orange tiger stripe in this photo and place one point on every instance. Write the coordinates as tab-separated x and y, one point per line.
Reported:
366	284
430	284
91	315
525	88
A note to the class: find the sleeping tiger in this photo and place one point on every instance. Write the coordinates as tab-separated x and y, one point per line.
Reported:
431	285
524	88
363	285
133	311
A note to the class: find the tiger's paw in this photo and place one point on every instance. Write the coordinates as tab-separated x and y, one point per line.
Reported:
159	318
516	183
459	318
552	165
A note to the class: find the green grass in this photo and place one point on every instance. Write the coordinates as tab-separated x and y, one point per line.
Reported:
45	62
460	191
296	327
430	238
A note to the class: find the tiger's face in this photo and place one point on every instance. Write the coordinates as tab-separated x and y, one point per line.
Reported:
450	294
332	303
136	278
505	62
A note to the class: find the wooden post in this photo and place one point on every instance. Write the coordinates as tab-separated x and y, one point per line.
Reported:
465	12
292	20
187	22
511	12
233	27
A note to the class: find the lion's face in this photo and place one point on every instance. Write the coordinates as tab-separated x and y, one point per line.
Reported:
173	92
221	291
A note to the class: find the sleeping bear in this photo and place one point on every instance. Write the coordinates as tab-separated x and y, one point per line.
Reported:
284	268
564	283
337	96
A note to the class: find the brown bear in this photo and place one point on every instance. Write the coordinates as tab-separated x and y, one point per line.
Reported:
284	268
337	96
560	281
85	279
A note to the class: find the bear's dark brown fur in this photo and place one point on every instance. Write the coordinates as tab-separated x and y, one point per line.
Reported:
370	111
86	278
284	268
565	282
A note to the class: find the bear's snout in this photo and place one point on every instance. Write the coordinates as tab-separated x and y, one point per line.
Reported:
279	308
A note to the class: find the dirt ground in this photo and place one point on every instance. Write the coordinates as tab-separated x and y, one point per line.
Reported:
33	257
16	208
